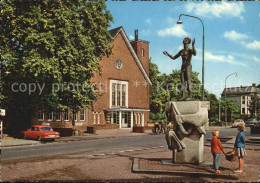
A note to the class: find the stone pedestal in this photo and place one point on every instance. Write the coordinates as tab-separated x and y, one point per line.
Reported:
190	119
193	153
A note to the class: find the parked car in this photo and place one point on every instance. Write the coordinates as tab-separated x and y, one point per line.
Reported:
40	132
251	122
236	122
257	124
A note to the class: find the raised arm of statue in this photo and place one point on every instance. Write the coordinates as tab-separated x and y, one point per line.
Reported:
172	57
193	48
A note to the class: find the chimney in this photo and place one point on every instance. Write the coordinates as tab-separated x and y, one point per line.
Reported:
141	49
254	84
136	35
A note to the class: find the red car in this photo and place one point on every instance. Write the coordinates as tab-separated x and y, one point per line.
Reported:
40	132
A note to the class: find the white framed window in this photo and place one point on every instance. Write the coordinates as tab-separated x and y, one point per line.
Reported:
58	116
41	116
50	116
113	94
119	64
99	117
123	95
82	115
96	117
113	117
243	99
67	115
243	110
118	93
142	52
75	116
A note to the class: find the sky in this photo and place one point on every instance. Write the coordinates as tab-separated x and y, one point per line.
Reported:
232	36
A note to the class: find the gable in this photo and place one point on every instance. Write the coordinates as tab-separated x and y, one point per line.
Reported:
120	30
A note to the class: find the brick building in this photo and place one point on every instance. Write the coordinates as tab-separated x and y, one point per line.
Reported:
124	84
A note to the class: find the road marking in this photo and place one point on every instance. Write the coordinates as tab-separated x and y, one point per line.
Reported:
138	149
99	155
129	150
90	156
111	153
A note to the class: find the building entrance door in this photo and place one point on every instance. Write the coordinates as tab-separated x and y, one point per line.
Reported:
124	120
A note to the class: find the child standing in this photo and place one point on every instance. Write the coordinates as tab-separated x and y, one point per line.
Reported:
239	147
216	146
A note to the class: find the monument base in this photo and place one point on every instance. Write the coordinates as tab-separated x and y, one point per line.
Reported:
193	153
192	118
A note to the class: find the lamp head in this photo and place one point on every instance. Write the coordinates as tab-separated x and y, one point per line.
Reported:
179	22
236	74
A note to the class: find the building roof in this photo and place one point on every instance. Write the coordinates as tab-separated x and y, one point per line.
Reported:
114	33
241	90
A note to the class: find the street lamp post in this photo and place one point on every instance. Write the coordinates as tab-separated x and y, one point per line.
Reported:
180	22
226	96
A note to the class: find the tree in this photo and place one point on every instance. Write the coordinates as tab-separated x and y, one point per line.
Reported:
254	106
214	106
232	109
158	96
53	44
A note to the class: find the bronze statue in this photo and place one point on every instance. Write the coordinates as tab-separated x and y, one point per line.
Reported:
186	67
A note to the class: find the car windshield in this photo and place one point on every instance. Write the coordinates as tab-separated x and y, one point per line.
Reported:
46	129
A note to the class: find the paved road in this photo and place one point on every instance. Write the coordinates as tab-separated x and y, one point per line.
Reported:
224	132
97	145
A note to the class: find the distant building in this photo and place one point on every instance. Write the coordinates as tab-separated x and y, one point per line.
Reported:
242	95
125	87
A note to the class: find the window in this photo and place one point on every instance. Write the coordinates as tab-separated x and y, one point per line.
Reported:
94	118
67	115
123	94
113	94
142	52
41	116
118	93
243	99
113	117
82	115
50	116
243	111
97	117
75	116
58	116
119	64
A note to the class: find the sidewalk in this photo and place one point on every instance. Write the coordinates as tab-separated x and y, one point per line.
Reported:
117	168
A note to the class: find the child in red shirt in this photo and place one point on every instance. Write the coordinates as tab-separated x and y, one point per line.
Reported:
216	148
